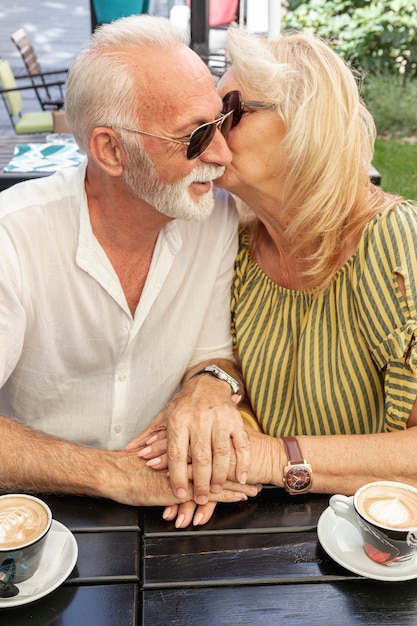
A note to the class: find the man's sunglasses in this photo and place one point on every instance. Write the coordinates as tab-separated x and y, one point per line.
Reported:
200	138
233	103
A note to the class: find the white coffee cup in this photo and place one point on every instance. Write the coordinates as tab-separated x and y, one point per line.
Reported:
25	522
385	513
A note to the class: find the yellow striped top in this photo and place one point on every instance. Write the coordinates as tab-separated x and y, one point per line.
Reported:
339	361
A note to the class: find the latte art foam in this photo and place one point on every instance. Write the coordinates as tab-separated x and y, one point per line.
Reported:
21	521
391	507
389	512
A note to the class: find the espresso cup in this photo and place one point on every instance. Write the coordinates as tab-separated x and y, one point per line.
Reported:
385	514
25	522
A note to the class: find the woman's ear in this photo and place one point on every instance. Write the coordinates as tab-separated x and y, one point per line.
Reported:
107	150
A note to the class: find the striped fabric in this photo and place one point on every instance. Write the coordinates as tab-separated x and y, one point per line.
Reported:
342	361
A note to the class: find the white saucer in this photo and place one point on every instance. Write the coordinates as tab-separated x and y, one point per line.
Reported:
343	543
58	560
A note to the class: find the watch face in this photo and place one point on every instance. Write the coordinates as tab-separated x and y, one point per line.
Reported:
298	478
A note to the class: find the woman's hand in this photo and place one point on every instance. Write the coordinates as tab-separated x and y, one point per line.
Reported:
155	454
184	514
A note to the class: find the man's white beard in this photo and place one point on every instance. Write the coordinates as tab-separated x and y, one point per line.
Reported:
172	199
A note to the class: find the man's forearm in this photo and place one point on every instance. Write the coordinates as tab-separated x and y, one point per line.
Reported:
33	461
38	463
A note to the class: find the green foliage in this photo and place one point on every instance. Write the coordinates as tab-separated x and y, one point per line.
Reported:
392	104
380	38
397	164
377	36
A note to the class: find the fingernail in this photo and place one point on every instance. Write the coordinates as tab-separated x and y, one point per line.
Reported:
166	514
179	520
201	499
153	462
197	519
216	488
151	439
145	451
181	493
243	478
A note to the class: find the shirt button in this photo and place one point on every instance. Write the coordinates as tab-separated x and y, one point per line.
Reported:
121	375
118	429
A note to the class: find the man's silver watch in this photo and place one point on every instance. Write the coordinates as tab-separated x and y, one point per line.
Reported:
216	371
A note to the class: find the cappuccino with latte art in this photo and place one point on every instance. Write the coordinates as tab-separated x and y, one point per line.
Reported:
25	522
391	506
22	520
385	514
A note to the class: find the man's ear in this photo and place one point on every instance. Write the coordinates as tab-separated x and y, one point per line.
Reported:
107	150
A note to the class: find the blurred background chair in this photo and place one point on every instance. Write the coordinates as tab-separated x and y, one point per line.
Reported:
22	122
105	11
49	97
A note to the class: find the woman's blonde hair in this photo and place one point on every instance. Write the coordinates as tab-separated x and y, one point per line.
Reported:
328	146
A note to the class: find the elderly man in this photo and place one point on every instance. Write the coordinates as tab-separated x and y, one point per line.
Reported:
115	281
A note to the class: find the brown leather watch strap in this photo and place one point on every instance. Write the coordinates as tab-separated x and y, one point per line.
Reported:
293	450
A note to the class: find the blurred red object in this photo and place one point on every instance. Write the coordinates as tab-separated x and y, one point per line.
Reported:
222	12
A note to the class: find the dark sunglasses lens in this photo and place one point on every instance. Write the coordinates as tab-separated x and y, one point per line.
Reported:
226	125
200	139
233	102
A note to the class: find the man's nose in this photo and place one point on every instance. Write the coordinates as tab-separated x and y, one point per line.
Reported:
218	151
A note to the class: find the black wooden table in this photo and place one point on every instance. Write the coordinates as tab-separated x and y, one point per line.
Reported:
260	563
103	589
254	563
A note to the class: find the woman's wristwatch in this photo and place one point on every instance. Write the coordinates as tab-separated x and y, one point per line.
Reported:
298	475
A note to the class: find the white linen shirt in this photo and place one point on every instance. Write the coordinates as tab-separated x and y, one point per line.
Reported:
74	362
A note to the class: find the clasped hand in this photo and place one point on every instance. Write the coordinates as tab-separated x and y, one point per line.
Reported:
155	454
200	436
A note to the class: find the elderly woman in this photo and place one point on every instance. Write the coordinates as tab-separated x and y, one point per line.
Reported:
324	299
324	303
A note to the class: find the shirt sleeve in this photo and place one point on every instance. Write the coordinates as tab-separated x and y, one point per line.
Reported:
388	320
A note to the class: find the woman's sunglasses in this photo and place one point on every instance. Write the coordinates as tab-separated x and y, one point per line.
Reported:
233	103
200	138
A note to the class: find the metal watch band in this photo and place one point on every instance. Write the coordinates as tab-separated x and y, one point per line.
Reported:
217	372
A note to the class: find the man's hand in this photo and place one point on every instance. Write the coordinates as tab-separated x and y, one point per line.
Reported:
203	424
130	481
183	514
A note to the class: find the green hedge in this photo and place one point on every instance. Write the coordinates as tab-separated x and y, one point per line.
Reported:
378	36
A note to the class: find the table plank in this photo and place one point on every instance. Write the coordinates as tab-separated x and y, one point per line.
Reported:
106	605
89	514
235	560
341	603
274	510
106	557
